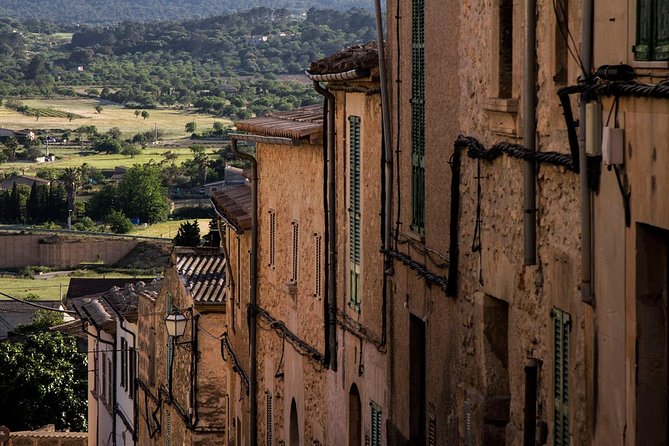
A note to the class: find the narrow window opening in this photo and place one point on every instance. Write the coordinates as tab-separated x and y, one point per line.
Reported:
561	41
376	424
417	380
418	115
505	54
294	425
354	210
496	354
354	417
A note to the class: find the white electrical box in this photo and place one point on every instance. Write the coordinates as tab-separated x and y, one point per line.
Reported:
613	146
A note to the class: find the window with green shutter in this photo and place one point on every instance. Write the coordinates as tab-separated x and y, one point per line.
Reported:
652	30
354	211
376	424
561	330
418	115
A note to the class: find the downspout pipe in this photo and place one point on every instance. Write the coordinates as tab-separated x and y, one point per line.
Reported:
253	359
529	133
388	155
331	243
586	207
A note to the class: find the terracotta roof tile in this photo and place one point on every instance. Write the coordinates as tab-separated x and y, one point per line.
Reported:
234	205
295	124
203	274
358	57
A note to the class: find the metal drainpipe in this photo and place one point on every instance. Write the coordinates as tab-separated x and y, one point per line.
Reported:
586	216
253	403
331	225
529	133
388	151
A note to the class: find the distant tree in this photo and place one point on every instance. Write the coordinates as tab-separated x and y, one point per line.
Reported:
114	133
71	116
188	234
131	150
141	194
33	207
191	126
118	222
201	160
44	381
13	207
170	156
137	113
71	178
12	145
145	114
102	201
98	108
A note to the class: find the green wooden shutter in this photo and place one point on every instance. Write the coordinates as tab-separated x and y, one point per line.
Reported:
644	30
376	424
418	115
661	28
354	211
561	330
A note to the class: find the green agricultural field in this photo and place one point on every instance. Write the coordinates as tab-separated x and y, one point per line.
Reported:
168	229
47	289
69	157
171	122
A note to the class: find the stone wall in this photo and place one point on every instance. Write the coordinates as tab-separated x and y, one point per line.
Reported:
467	378
61	251
291	184
47	438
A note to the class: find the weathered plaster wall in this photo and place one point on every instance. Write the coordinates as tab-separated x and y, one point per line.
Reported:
290	183
460	51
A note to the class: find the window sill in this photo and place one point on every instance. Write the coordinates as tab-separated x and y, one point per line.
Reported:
650	64
502	115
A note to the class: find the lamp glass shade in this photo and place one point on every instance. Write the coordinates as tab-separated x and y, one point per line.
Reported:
175	324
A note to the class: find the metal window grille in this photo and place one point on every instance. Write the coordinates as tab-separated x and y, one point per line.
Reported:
376	424
561	330
269	419
354	211
318	265
652	30
272	238
418	115
296	235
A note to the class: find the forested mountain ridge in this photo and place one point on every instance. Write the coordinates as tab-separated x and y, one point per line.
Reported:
113	11
227	65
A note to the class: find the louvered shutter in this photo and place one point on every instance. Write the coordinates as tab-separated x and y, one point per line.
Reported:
661	22
269	419
376	424
561	330
644	30
418	115
354	210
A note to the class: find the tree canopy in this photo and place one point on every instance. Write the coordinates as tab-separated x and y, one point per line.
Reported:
44	381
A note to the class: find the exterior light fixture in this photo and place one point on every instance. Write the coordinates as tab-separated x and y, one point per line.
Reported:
175	323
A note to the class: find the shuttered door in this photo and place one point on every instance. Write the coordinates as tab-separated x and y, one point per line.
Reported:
561	330
354	211
418	115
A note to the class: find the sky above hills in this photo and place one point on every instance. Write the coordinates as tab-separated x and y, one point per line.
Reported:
112	11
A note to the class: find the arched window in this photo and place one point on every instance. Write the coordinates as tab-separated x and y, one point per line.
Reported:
354	417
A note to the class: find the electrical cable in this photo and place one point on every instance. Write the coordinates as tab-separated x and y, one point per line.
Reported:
43	307
568	37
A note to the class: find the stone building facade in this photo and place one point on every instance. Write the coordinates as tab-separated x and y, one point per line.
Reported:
181	381
474	321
